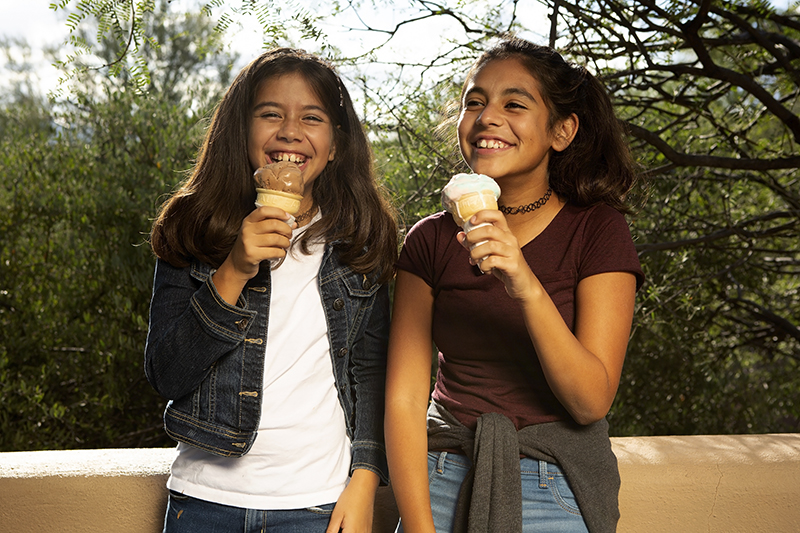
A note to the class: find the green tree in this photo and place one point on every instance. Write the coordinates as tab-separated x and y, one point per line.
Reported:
81	181
708	91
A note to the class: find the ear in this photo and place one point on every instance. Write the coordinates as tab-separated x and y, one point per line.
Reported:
564	132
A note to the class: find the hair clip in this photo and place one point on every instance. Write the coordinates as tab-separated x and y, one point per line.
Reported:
341	93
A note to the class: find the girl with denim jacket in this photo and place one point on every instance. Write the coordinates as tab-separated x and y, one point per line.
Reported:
530	311
274	376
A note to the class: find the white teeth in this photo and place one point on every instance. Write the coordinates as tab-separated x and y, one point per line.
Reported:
490	143
292	158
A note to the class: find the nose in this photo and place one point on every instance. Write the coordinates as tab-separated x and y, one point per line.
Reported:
489	116
290	130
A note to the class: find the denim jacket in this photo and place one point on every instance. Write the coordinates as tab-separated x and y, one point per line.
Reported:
207	356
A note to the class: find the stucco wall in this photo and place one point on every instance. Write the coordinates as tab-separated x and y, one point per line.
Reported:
709	484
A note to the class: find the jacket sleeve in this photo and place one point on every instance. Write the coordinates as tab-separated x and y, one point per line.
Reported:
190	328
369	380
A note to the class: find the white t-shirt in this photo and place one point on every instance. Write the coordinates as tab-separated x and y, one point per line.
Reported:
301	456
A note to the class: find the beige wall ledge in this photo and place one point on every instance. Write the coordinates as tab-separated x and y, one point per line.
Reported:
709	484
111	491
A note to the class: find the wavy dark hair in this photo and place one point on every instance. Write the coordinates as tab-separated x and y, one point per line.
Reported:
202	218
597	166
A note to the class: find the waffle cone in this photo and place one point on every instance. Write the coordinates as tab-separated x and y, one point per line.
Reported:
284	200
471	203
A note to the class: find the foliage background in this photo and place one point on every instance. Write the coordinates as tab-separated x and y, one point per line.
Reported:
707	89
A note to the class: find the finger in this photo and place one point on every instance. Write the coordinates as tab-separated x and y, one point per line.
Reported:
489	216
479	235
266	226
268	211
274	227
491	247
252	247
335	524
498	258
462	240
461	237
264	213
490	225
269	240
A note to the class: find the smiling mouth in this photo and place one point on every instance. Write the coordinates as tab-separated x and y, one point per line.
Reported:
289	157
490	143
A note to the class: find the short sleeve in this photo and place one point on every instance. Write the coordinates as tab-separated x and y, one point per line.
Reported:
419	249
608	246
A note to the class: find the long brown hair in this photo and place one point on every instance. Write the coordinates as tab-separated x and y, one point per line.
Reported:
203	217
597	166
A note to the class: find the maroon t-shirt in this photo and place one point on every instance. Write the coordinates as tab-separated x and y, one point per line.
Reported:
487	362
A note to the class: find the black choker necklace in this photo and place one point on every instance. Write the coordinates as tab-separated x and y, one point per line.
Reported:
527	208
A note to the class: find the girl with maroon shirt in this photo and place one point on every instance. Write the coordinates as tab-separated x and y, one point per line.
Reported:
532	325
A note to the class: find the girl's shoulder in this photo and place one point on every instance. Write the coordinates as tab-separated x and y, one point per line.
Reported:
589	220
194	268
601	237
433	224
429	244
596	212
435	233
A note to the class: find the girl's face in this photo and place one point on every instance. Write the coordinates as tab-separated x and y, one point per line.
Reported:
289	123
502	128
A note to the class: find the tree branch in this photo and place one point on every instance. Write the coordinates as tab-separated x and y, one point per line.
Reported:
690	160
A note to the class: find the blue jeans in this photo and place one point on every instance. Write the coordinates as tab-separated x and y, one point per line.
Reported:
190	515
548	505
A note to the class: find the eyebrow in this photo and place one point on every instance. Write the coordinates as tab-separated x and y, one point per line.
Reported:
511	91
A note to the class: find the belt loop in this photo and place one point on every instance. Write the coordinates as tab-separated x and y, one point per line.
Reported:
542	474
440	462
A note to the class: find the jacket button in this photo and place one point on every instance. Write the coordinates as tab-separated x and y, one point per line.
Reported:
242	324
366	285
342	352
338	304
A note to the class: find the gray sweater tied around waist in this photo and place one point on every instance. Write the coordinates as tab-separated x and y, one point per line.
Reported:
495	503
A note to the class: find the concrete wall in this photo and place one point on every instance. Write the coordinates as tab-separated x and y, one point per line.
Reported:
709	484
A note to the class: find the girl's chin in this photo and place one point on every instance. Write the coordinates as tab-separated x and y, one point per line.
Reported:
493	171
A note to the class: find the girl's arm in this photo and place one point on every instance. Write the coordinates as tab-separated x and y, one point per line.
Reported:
368	380
582	368
190	328
408	381
195	320
354	509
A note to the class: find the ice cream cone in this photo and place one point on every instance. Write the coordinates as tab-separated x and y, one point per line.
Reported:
284	200
470	203
280	185
466	194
